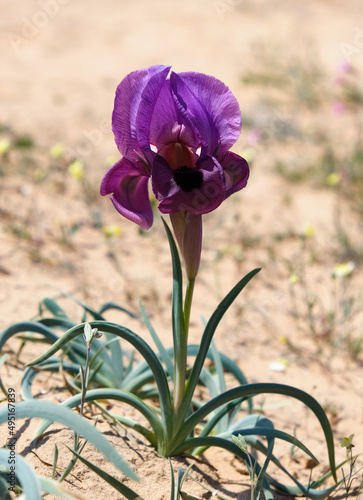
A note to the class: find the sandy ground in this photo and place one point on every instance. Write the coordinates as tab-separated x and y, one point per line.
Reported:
61	63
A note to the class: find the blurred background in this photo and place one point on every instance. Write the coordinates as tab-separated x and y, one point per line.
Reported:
62	59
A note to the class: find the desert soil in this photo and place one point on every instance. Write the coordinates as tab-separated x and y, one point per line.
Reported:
61	63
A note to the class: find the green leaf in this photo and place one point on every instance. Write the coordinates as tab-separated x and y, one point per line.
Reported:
112	305
223	423
139	344
112	373
179	334
162	351
231	447
219	368
3	359
115	483
55	461
269	432
57	413
228	364
116	395
253	390
59	323
52	365
2	387
207	339
29	326
24	473
224	410
4	489
132	424
79	446
54	308
53	487
182	474
173	493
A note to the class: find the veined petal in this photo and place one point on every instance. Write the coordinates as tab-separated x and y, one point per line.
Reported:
127	102
168	123
236	171
128	184
210	108
207	196
155	93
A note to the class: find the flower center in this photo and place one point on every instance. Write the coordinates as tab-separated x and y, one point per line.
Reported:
188	179
178	155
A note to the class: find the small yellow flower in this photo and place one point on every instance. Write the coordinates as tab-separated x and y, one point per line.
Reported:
4	146
294	278
112	230
57	151
346	442
282	339
333	179
308	230
76	169
343	270
39	174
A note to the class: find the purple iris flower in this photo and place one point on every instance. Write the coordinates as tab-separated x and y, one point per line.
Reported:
175	129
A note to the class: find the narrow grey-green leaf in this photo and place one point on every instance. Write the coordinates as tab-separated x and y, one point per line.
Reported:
24	473
115	483
57	413
162	351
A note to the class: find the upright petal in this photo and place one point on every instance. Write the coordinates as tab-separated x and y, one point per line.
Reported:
236	172
154	93
168	123
210	107
128	184
127	103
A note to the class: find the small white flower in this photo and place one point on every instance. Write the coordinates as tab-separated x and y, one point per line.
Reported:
91	333
277	366
342	270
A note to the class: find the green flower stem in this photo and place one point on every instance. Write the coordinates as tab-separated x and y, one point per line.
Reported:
180	366
180	373
85	381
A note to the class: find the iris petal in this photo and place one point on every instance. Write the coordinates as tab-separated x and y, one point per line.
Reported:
236	172
177	130
210	107
127	102
153	93
128	184
173	198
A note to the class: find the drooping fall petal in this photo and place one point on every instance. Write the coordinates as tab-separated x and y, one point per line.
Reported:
198	191
236	172
128	184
